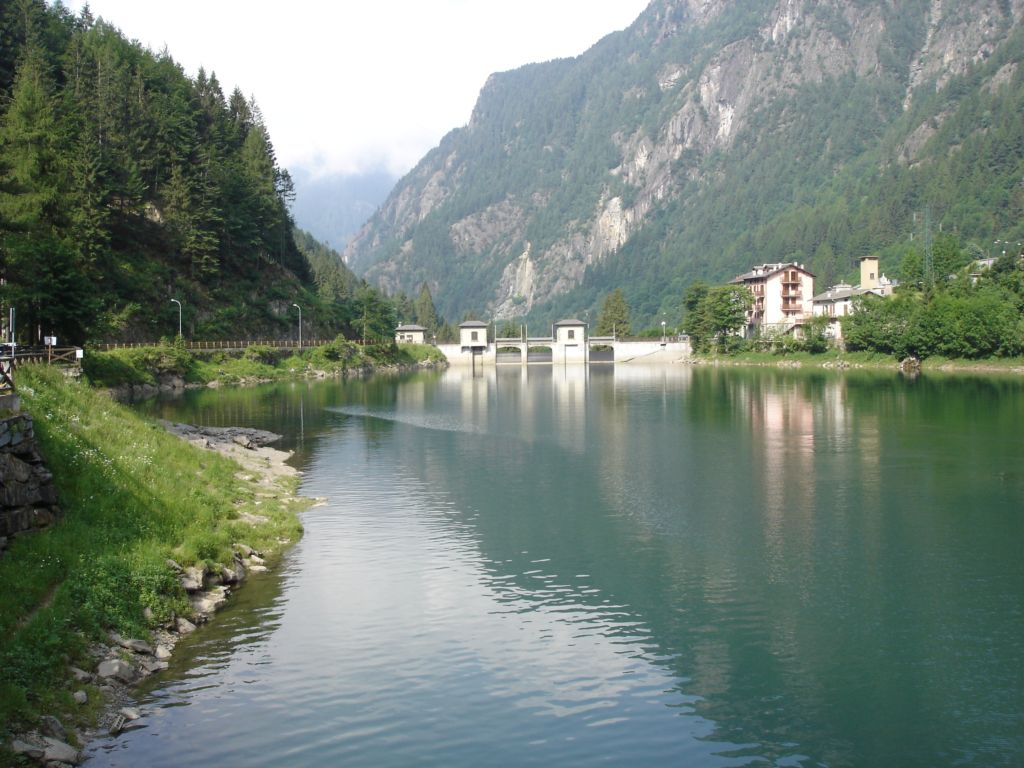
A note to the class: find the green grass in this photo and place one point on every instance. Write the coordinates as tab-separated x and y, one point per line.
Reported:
132	496
145	365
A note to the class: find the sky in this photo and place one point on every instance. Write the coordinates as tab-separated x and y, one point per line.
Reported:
348	87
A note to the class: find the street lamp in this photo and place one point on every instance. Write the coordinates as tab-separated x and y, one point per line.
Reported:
662	331
179	316
300	323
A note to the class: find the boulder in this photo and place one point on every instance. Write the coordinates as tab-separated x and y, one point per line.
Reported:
208	602
51	726
184	626
80	697
130	713
162	652
80	675
149	666
137	646
118	669
193	578
59	752
28	749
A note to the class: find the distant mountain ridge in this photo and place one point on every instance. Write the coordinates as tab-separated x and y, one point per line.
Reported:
709	136
333	207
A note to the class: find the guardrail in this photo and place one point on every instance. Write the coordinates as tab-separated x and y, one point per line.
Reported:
12	357
280	343
231	345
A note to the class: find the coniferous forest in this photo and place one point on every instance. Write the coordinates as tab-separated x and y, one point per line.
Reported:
124	183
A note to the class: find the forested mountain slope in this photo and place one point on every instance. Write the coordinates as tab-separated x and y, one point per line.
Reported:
708	136
124	184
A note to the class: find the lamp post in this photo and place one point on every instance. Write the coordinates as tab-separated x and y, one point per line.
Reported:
300	323
179	316
662	331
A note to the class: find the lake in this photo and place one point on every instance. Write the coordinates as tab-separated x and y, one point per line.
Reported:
626	566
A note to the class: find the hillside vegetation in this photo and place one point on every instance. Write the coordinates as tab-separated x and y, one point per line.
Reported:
125	183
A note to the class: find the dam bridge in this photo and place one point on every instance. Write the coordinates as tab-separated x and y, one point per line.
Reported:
569	344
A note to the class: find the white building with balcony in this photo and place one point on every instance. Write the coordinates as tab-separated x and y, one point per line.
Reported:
782	296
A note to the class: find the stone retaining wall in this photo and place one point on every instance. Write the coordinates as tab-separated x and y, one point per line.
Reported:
28	498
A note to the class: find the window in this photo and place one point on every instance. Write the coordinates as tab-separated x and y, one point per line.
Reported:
475	337
572	334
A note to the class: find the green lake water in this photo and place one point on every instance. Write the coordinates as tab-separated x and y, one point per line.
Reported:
621	566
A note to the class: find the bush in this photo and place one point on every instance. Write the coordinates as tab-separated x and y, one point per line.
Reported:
137	365
976	323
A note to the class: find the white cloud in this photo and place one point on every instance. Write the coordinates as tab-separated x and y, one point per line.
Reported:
348	86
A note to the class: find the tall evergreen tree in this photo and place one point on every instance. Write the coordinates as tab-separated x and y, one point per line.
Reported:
426	313
614	317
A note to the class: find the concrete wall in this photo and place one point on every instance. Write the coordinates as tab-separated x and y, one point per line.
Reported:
456	356
625	352
651	351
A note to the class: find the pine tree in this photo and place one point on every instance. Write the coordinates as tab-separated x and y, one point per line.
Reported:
614	317
426	313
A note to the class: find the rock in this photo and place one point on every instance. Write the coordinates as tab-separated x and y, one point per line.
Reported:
81	697
255	560
162	653
174	566
245	550
134	645
33	751
229	575
51	726
208	602
42	517
117	668
258	568
80	675
58	751
130	713
148	615
149	666
192	579
138	646
910	366
184	626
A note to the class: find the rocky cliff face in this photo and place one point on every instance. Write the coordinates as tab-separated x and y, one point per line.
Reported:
564	167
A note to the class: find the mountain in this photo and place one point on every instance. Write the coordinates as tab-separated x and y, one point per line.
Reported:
334	206
709	136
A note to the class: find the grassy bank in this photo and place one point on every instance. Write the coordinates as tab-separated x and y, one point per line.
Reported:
835	359
147	365
132	496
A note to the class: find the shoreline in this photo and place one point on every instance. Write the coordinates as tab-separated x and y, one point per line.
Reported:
911	366
174	383
121	664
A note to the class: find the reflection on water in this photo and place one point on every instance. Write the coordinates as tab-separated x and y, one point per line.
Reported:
550	566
